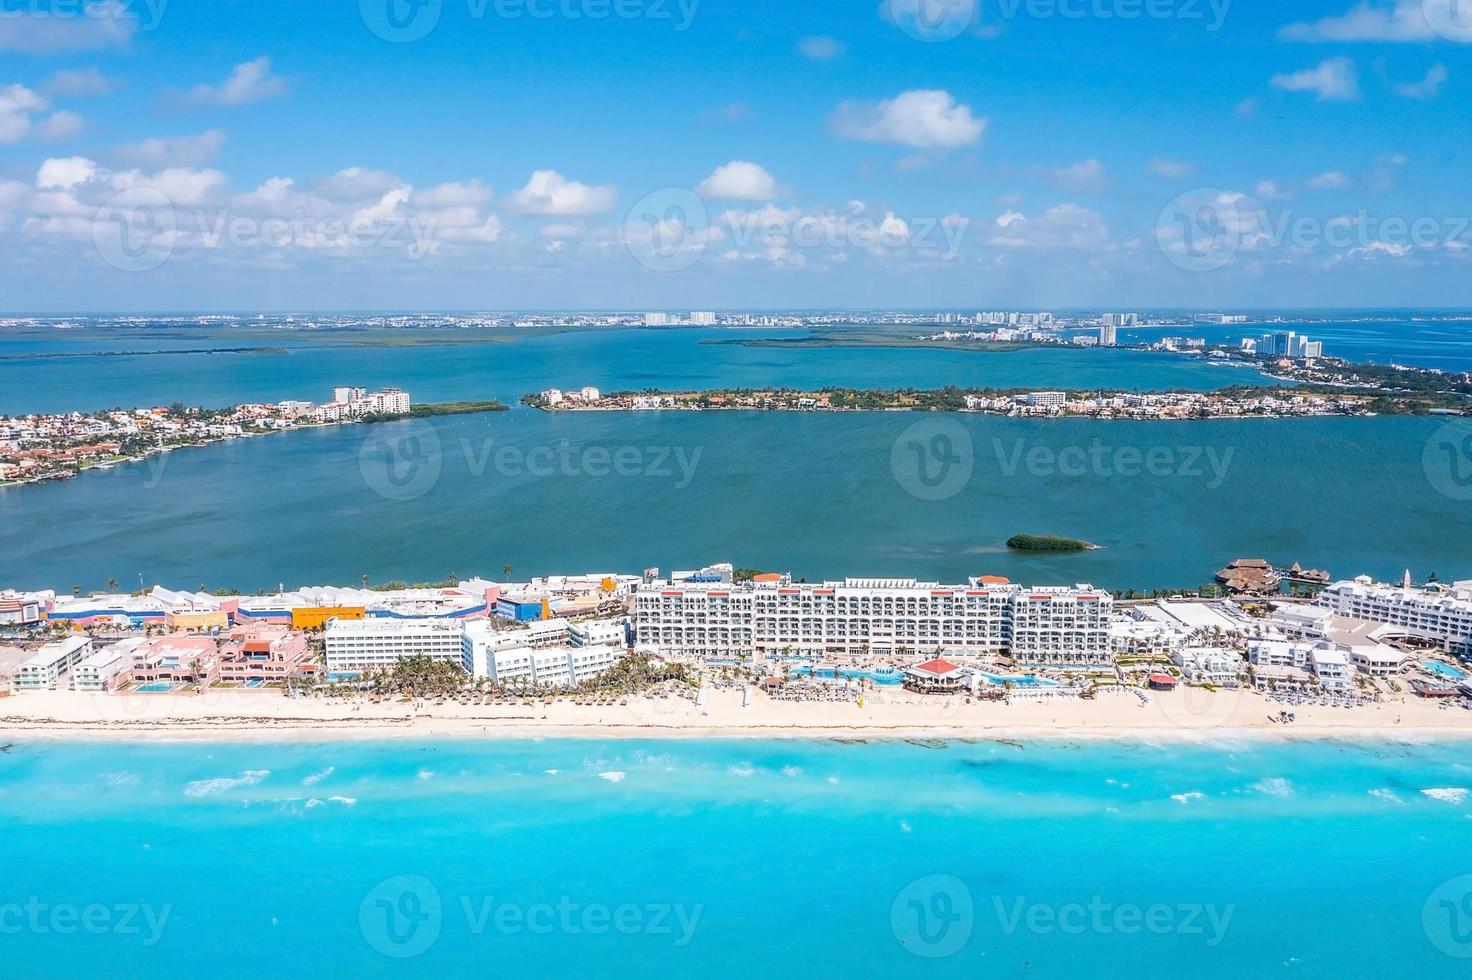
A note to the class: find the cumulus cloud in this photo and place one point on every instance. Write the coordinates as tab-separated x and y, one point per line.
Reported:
1385	21
37	31
548	192
1086	175
1171	169
924	118
17	103
1333	180
61	125
740	180
1333	80
172	151
820	48
1429	87
80	84
1065	226
250	81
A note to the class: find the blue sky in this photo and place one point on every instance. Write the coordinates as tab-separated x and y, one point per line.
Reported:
225	154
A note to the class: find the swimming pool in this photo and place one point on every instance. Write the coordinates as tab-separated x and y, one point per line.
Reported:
1016	680
883	676
1444	670
156	687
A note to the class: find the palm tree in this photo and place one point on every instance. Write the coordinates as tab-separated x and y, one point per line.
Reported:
77	591
506	571
112	585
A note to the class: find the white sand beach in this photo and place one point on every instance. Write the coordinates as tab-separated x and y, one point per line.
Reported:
240	715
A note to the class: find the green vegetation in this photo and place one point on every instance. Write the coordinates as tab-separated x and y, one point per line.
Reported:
441	408
1045	542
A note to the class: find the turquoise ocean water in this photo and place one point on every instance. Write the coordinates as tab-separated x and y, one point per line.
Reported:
733	858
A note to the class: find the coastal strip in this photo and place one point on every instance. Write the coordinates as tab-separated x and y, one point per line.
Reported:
1303	401
41	448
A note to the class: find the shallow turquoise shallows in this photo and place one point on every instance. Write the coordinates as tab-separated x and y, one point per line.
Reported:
737	858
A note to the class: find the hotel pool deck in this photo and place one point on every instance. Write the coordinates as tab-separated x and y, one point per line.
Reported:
156	687
883	676
1446	671
1018	680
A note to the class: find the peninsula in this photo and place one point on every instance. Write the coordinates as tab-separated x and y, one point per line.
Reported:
36	448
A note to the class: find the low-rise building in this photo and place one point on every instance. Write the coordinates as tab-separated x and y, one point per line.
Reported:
45	670
354	646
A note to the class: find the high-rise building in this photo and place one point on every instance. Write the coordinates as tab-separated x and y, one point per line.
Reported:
1108	335
705	319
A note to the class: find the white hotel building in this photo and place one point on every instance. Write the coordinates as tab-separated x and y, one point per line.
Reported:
1039	627
538	655
1442	614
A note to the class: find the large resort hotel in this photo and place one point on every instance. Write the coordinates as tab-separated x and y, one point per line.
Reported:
772	619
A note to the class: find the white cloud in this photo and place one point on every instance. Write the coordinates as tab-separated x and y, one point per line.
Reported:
1404	20
1270	190
16	105
1429	87
925	118
80	84
1171	169
61	125
356	183
251	81
33	30
1065	226
1333	180
820	48
548	192
1333	80
173	151
65	173
740	180
1086	175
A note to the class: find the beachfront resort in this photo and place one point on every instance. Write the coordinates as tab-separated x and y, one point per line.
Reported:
1356	643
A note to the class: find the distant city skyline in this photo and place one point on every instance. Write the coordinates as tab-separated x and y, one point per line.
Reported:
457	155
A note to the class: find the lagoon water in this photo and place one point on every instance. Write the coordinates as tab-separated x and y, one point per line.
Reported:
820	495
733	858
307	365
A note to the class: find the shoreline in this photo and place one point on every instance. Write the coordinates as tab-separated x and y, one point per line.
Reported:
239	717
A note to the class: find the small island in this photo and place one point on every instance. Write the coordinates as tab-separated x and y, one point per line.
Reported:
1048	542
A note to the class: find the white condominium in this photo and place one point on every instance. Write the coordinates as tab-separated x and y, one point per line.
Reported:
371	644
44	671
879	617
1443	614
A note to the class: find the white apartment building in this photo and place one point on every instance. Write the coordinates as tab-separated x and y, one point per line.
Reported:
1048	399
44	671
104	671
1053	627
546	633
372	644
1209	665
504	657
702	319
1326	660
1442	614
600	632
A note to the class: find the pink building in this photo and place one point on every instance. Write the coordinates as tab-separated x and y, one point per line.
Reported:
264	652
177	659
